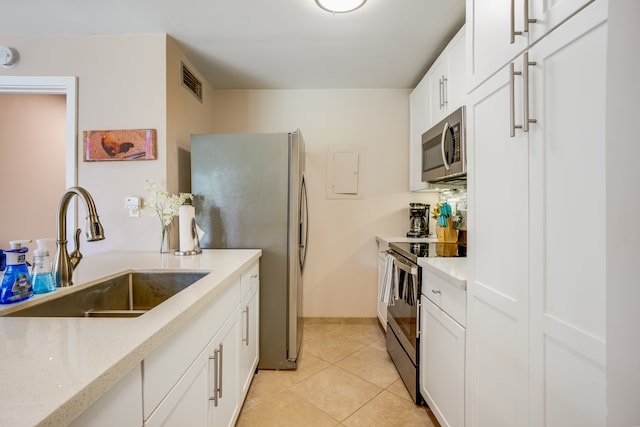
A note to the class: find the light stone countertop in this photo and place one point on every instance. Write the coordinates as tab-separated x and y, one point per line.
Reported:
451	269
52	369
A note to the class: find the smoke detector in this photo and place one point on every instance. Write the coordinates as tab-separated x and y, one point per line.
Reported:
8	57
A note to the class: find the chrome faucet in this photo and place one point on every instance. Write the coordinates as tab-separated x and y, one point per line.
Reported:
63	263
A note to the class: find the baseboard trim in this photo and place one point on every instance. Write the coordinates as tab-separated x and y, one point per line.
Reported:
340	320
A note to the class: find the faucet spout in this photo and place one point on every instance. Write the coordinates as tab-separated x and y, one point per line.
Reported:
64	264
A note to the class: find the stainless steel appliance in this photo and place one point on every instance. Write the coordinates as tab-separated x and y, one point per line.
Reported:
249	192
403	332
419	224
444	149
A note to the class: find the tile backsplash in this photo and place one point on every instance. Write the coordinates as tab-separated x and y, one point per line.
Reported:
457	199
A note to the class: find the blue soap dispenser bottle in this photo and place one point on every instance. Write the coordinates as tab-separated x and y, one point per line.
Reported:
41	274
16	282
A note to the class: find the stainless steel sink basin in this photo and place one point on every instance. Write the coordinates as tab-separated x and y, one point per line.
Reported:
127	295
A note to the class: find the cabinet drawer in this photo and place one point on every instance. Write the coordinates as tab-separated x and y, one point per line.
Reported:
448	297
164	367
250	279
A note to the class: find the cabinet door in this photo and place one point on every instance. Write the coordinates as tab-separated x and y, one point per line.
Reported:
438	76
442	364
549	15
419	117
250	341
567	158
497	285
224	402
489	40
457	87
187	402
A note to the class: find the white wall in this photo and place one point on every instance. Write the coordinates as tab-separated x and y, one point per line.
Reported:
623	236
340	278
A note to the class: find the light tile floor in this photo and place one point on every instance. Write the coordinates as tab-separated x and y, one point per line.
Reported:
344	378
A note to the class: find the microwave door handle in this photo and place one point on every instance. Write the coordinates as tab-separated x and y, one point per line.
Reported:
444	136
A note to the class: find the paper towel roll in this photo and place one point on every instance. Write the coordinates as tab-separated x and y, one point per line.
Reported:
187	215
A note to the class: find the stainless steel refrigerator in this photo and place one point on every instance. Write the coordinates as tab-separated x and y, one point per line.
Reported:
249	192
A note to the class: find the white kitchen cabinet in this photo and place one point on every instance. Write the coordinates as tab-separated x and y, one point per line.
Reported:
249	347
185	404
490	42
200	376
442	349
419	120
223	374
497	290
382	262
567	167
536	344
447	75
120	406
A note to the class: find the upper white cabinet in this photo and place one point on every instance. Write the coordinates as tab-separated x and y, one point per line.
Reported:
536	308
446	78
499	30
419	118
441	91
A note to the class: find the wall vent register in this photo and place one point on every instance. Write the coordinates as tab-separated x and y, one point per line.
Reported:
191	82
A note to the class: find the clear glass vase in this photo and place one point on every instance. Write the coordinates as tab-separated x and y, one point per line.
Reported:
165	240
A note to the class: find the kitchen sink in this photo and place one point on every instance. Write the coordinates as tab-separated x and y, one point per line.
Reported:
128	295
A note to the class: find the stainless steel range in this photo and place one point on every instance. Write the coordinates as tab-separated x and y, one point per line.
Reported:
403	332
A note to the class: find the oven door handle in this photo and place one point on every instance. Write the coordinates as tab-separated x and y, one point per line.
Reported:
409	268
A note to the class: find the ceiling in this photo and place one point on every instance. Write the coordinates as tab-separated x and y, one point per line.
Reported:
267	44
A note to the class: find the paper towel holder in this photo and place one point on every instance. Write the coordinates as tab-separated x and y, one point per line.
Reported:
197	249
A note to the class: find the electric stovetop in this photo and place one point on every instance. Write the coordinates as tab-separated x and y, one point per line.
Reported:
415	250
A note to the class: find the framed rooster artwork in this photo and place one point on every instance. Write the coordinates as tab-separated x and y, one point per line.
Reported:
131	144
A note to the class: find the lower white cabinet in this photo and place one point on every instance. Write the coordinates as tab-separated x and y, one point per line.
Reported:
442	349
211	390
249	346
184	404
222	373
381	306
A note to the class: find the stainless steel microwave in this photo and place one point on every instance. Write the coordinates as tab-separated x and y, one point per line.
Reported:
444	149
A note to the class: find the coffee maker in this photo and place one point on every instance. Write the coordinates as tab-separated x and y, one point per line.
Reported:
419	224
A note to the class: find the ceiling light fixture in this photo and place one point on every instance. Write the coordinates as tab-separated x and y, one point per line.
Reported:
340	6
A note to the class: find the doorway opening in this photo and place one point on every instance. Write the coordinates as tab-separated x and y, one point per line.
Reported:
40	154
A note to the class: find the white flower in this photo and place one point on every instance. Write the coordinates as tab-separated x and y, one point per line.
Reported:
162	204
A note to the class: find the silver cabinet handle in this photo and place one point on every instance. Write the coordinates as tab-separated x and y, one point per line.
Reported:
512	100
254	276
444	157
246	326
527	20
514	33
220	372
525	75
215	378
440	86
445	101
435	291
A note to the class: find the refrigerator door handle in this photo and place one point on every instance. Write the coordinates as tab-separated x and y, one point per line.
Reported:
304	224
